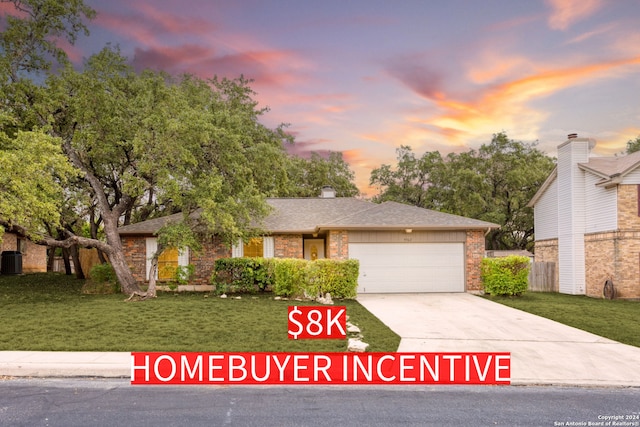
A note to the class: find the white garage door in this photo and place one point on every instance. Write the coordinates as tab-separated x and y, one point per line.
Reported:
409	267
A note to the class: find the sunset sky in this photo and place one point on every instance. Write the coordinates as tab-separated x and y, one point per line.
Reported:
365	76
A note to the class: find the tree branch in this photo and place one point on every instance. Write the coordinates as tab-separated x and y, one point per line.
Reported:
71	240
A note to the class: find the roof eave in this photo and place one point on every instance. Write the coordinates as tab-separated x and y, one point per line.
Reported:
546	184
410	227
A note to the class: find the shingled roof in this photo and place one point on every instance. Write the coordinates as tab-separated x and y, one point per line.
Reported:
610	168
310	215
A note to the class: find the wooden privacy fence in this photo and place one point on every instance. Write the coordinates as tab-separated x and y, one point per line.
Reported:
542	277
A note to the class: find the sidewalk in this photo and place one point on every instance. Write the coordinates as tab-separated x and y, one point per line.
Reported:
64	364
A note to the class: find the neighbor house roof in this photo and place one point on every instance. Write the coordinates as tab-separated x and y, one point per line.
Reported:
610	169
310	215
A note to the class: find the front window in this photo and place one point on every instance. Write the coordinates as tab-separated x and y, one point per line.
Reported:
259	247
254	248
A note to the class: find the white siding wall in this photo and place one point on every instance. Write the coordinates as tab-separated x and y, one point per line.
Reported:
601	206
571	215
632	177
545	213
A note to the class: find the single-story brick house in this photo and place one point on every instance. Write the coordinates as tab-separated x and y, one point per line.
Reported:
401	248
587	220
34	257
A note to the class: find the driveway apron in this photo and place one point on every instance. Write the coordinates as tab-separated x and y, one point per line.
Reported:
542	351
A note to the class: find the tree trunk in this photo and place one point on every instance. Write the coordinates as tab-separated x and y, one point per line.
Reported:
51	258
128	283
67	264
73	250
93	229
151	290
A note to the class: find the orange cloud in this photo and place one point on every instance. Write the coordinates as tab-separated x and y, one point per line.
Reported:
491	67
505	105
566	12
615	142
590	34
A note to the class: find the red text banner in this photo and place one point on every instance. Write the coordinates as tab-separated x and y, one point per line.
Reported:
321	368
317	322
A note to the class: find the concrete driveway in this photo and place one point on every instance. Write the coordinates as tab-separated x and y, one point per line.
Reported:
542	351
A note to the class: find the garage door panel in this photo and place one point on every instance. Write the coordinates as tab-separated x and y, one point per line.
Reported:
409	267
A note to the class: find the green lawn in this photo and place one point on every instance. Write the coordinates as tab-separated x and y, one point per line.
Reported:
48	312
618	320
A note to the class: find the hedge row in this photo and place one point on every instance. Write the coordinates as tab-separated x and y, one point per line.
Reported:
287	277
505	276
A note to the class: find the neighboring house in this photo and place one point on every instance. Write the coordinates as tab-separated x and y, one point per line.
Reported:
34	257
587	220
506	253
401	248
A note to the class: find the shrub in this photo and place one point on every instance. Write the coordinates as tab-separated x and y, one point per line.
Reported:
505	276
242	275
289	277
184	274
103	280
337	277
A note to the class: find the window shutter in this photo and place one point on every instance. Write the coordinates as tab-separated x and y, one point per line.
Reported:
237	250
268	246
183	257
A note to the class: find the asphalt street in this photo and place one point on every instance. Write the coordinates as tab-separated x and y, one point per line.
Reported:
109	402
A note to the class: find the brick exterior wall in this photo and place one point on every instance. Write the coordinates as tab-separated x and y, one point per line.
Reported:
135	252
34	257
616	256
628	218
338	244
204	261
474	252
288	246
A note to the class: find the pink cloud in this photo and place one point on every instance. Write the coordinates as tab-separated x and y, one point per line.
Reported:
149	24
420	78
8	9
565	13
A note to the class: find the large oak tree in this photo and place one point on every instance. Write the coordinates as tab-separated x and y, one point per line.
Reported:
133	139
493	183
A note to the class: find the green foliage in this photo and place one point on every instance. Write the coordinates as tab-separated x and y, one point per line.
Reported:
494	183
28	42
337	277
243	275
103	280
33	175
184	273
505	276
308	176
633	145
289	277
